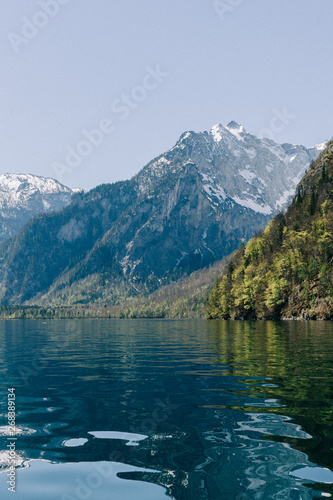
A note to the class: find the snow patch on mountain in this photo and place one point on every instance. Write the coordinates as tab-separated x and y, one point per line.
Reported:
321	147
216	133
247	174
237	130
253	205
211	188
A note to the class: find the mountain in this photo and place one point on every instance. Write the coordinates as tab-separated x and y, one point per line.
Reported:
186	209
23	195
286	270
239	168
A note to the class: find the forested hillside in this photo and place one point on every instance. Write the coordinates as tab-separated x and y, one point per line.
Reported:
184	298
286	270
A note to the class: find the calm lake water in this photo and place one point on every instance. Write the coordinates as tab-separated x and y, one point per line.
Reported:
150	410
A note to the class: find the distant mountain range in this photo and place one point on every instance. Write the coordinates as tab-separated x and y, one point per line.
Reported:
186	209
23	196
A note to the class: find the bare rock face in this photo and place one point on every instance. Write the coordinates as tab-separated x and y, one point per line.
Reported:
234	165
180	227
188	208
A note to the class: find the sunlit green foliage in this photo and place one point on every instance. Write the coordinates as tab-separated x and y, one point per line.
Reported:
286	270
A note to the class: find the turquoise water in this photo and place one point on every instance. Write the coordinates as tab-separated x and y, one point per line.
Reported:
148	409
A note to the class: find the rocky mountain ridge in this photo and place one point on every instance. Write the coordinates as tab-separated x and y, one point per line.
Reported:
237	166
186	209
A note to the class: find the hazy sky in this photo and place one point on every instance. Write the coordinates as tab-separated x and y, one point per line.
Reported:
145	71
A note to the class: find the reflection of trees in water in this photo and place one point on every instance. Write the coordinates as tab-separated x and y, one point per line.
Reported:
298	358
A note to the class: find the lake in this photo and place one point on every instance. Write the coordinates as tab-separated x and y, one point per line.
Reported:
150	410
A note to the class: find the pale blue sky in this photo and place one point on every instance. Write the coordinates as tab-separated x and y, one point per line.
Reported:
255	59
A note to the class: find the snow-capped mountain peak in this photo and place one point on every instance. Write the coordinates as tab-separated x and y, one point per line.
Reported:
24	195
218	131
321	147
238	167
236	129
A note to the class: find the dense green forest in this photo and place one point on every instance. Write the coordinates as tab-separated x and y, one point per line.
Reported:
286	270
